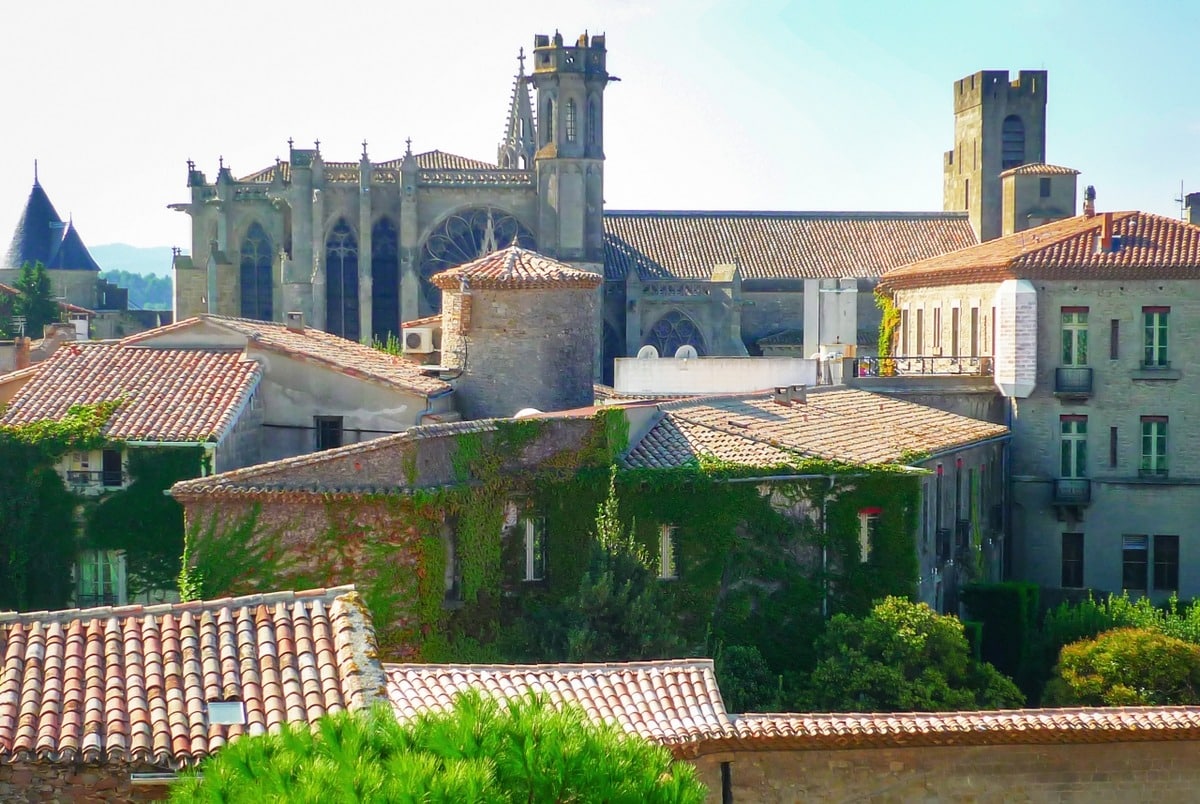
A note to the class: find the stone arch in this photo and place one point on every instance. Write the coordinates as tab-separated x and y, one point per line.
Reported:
672	330
463	236
1012	142
257	256
385	279
341	280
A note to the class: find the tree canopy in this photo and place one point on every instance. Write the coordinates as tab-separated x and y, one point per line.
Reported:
480	751
904	656
1126	667
36	301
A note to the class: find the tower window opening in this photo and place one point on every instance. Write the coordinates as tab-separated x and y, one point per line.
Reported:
570	119
1012	143
593	122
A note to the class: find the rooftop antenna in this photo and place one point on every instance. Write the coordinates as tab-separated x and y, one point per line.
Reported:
35	178
1181	200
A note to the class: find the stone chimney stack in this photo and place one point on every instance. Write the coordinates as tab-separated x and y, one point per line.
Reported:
21	354
1089	201
295	322
1192	202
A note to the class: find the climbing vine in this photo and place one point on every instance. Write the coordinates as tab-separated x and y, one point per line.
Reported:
889	322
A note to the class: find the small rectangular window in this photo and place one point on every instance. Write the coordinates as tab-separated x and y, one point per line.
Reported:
1112	447
1072	560
920	331
1166	563
535	548
1133	563
100	578
1114	339
112	473
1044	188
1154	321
937	327
955	326
1154	446
904	332
868	532
1074	336
974	332
666	553
329	431
967	194
1073	446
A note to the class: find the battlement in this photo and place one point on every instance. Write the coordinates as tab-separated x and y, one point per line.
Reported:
586	55
1030	85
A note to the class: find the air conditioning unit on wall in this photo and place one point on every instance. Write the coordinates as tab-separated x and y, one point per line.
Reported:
417	340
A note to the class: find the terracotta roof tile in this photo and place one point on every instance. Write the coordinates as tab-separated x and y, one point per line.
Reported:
1040	169
342	355
835	424
777	245
131	684
670	702
428	160
1151	247
171	394
515	267
1023	726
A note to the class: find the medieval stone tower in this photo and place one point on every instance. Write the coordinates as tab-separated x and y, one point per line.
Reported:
998	125
569	163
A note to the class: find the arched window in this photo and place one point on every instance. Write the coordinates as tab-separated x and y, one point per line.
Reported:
1012	143
570	119
461	238
257	256
385	281
593	122
341	281
672	331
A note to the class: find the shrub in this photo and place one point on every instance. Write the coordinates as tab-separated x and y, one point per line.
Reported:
1127	667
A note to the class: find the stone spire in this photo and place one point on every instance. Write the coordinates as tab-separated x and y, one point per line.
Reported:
520	136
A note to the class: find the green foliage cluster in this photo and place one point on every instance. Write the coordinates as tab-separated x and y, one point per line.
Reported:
525	750
904	657
37	512
1009	613
34	301
889	322
146	291
391	346
142	520
217	560
1127	667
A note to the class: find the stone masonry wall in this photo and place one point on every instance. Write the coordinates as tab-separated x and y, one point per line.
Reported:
82	784
1162	772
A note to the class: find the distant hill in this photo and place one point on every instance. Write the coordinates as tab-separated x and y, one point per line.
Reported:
134	259
146	291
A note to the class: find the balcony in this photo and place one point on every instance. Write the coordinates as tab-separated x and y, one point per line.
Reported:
923	366
1075	491
1073	382
83	478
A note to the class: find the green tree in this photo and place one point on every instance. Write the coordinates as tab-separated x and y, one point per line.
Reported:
1126	667
904	656
746	682
619	611
523	751
36	300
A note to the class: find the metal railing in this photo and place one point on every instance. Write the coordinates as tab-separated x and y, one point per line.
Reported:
1073	380
1072	491
92	477
922	365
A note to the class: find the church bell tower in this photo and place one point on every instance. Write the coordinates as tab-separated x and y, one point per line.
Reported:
569	162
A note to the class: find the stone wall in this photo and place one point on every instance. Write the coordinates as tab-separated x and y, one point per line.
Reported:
83	784
1110	772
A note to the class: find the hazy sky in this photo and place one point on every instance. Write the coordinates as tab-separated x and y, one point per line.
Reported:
722	105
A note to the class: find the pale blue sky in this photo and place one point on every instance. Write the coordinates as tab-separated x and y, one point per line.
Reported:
722	105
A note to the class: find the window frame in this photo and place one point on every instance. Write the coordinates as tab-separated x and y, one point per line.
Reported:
109	572
1155	337
1073	565
1166	571
1073	436
1130	549
868	532
1154	434
533	536
321	426
1074	332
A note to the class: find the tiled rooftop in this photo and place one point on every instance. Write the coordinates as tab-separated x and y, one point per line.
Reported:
1040	169
131	684
777	245
1151	247
345	356
835	424
170	395
513	268
670	702
428	160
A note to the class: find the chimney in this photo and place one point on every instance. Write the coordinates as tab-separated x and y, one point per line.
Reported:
21	353
295	322
1192	201
799	393
1089	201
783	395
1106	232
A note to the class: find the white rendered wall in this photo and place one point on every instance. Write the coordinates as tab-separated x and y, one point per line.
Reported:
711	375
1016	338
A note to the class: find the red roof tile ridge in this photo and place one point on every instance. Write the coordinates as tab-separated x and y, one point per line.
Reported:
157	609
699	663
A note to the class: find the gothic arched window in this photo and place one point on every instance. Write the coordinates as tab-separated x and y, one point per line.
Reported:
461	238
341	281
1012	143
672	331
256	259
569	113
385	281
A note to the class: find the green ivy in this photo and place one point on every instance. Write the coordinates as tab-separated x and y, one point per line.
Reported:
889	322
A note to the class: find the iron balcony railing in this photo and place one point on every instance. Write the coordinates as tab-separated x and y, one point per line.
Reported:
1073	381
92	477
922	365
1072	491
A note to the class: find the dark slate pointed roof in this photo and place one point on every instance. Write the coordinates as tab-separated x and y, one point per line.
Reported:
72	254
38	234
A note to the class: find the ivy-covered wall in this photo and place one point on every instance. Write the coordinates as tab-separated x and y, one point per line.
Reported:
440	558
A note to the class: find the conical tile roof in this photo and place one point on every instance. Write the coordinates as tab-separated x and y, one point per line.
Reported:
72	254
39	232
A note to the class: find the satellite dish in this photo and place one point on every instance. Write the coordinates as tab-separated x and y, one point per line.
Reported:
647	352
525	413
686	352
